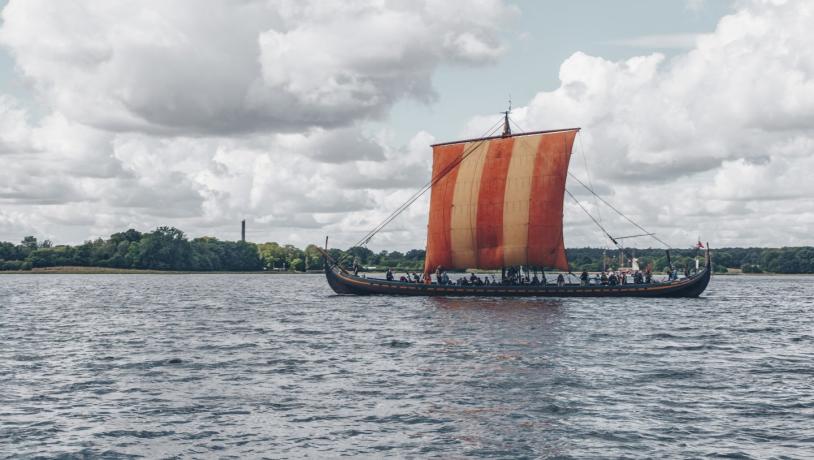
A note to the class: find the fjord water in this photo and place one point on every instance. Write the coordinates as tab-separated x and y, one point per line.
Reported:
278	366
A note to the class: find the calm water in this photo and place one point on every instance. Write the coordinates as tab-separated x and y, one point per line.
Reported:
277	366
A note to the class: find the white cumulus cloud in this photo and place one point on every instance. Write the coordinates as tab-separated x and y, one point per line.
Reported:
716	141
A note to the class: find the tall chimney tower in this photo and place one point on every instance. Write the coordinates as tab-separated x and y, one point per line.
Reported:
243	230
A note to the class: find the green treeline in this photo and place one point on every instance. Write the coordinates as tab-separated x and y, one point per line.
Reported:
167	248
749	260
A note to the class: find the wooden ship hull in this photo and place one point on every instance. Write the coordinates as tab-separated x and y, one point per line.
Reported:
343	282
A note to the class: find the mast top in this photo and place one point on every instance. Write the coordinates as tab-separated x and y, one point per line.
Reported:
507	129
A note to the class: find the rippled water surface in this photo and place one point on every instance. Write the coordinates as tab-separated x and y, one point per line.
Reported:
277	366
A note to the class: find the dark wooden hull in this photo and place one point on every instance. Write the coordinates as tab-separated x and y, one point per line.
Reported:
346	283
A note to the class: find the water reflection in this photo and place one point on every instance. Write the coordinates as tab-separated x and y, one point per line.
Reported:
506	355
502	303
516	317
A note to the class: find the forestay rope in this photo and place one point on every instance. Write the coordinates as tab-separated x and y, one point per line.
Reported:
646	232
441	174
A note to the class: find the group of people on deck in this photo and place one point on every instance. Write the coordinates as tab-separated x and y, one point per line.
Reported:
614	279
408	277
672	274
513	276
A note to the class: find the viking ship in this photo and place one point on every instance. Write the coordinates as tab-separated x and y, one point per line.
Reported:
495	202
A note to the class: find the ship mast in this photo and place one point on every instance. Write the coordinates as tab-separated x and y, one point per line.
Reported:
507	129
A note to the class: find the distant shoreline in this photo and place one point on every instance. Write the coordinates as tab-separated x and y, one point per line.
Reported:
135	271
72	270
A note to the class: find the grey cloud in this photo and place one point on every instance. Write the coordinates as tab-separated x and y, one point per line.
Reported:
337	146
170	196
409	176
176	68
40	190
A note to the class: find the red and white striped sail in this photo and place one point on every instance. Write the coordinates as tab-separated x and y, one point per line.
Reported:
499	202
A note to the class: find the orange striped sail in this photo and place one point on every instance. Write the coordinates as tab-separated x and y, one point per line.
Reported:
498	202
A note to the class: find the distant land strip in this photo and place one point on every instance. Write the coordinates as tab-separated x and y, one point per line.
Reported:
167	249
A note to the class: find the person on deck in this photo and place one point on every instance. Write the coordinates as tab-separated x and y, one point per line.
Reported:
560	280
535	280
389	274
648	277
612	279
604	279
584	278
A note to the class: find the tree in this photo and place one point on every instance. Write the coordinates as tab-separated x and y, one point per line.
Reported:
298	265
8	251
750	268
130	235
166	248
29	242
313	257
364	254
272	256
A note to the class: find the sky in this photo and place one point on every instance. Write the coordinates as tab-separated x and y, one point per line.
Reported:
314	118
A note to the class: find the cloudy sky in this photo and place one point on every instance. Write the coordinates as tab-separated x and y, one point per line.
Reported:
313	118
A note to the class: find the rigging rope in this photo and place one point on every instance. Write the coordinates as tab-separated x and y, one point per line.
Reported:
427	186
617	212
592	217
516	125
590	182
588	173
621	248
